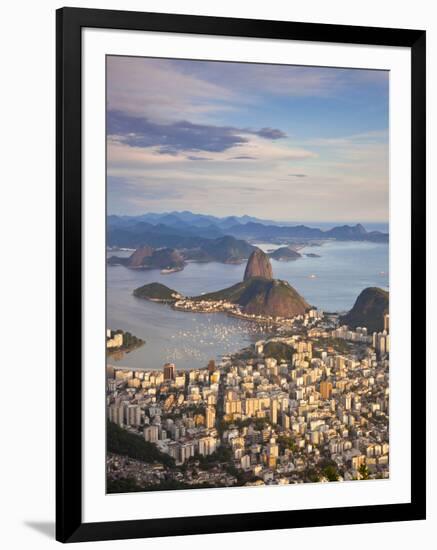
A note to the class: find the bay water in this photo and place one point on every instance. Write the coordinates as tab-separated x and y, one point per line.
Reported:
330	282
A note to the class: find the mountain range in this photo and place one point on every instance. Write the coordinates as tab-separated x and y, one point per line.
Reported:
189	230
186	218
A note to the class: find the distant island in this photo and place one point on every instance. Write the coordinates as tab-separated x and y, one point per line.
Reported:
228	250
169	241
285	254
146	257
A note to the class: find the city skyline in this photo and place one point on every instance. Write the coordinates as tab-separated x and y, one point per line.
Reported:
276	142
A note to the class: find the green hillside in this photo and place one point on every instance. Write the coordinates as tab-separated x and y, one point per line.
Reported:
156	291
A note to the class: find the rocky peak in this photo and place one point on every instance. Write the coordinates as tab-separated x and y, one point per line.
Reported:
258	265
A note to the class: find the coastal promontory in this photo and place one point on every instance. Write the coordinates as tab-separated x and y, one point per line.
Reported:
256	295
157	292
368	310
259	294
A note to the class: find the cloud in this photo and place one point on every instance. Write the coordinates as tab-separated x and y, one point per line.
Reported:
237	194
162	89
270	133
167	117
130	158
194	157
282	80
181	135
243	157
158	89
355	140
172	137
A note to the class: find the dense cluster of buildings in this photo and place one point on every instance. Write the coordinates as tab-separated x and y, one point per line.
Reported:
357	335
113	339
205	306
320	414
235	310
380	341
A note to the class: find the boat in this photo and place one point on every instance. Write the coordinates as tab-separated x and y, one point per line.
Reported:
168	270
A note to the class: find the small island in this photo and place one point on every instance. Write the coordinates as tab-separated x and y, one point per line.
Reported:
312	255
168	260
285	254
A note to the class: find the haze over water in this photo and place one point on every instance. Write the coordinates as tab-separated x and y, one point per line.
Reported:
331	282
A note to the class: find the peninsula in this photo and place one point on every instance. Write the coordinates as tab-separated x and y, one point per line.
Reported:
259	296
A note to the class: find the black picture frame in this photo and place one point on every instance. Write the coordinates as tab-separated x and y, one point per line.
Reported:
69	525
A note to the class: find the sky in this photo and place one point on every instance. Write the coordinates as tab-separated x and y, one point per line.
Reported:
279	142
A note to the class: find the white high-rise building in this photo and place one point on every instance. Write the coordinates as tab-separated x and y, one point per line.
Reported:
151	433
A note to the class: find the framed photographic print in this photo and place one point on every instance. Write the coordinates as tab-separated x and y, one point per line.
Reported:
241	274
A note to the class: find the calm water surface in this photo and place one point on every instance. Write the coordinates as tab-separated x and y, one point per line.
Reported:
331	282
